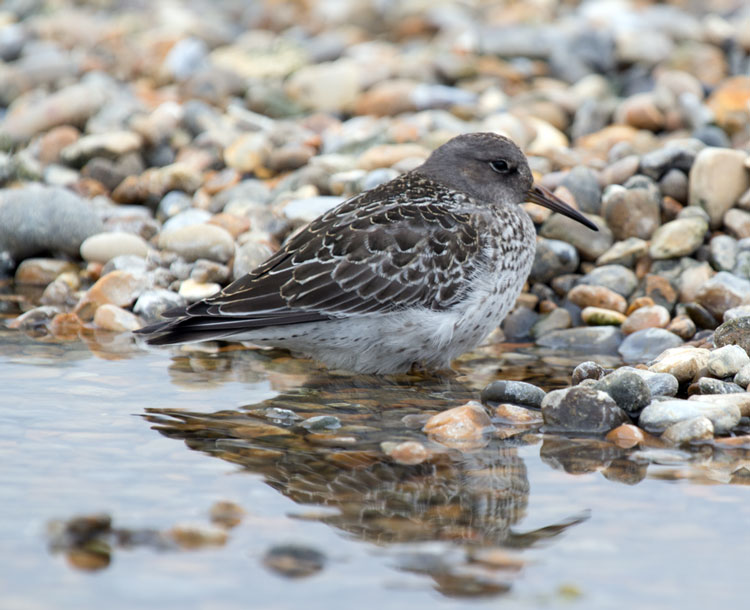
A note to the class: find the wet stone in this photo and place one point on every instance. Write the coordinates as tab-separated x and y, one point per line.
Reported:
580	409
514	392
294	561
467	423
587	370
116	319
659	416
592	339
647	344
409	453
152	303
659	384
626	436
321	422
627	389
116	288
690	430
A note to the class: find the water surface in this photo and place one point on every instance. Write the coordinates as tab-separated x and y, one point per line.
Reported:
143	442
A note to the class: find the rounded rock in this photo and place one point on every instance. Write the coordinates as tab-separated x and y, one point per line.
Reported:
660	415
677	238
116	319
717	180
585	295
581	409
514	392
695	429
103	247
587	370
627	389
654	316
647	344
199	241
727	361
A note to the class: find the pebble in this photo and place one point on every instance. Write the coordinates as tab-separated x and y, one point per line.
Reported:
468	423
581	409
727	361
514	392
557	319
514	414
717	180
645	345
626	436
152	303
683	362
734	332
723	252
116	319
321	422
742	378
627	389
741	400
660	415
552	259
737	223
110	145
659	384
709	385
42	271
654	316
597	316
683	327
192	290
116	288
518	323
308	209
616	278
723	291
587	370
592	339
583	184
679	237
590	245
690	430
102	247
632	211
409	453
199	241
35	219
597	296
294	561
624	253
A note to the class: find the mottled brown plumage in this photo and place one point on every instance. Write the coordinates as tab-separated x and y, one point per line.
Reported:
447	238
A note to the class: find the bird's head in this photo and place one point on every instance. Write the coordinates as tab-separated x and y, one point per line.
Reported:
492	169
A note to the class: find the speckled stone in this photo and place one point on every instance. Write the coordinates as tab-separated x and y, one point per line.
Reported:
627	389
727	361
514	392
689	430
658	416
581	409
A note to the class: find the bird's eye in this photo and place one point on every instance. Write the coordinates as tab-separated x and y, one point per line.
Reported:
501	166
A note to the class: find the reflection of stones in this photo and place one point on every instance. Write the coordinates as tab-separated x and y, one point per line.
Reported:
475	496
294	561
580	456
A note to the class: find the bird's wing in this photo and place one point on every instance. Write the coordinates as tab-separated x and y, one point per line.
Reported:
378	252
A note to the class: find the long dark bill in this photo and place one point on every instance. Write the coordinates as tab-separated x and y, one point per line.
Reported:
542	196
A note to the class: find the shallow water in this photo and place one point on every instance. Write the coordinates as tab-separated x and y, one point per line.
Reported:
155	439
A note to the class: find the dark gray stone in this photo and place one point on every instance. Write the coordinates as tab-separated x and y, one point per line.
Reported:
514	392
709	385
35	219
647	344
581	409
674	184
552	259
517	324
627	389
659	384
679	156
587	370
583	183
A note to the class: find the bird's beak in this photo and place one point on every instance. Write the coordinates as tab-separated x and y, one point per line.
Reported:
542	196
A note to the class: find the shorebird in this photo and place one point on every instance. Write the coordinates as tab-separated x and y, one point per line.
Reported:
413	272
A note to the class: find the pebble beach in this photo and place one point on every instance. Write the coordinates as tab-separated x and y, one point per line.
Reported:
150	155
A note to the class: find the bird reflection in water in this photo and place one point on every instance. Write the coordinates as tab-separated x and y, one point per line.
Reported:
471	497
